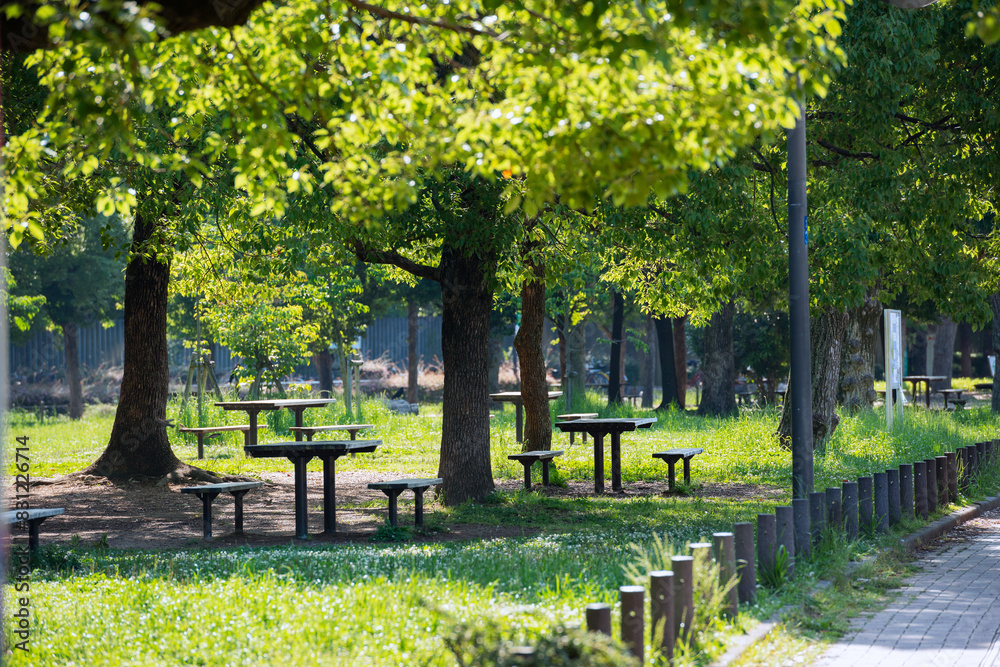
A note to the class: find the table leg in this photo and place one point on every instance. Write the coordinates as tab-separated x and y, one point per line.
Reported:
616	461
298	422
301	499
671	478
527	475
201	445
545	472
206	517
687	471
253	426
418	508
520	422
598	462
329	494
927	394
238	498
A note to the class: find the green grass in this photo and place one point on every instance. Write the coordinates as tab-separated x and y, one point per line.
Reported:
400	603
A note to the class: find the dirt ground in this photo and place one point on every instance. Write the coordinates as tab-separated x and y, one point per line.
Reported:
151	517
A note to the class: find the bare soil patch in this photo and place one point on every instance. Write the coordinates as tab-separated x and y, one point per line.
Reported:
139	515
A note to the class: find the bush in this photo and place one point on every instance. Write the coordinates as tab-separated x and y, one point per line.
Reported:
563	647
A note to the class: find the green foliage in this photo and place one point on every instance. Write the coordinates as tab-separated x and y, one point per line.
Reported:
775	577
560	647
388	533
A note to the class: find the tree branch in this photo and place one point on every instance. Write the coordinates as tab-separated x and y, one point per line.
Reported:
416	20
846	153
366	254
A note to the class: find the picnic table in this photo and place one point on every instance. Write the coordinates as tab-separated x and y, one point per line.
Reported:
914	380
515	398
253	408
598	428
300	453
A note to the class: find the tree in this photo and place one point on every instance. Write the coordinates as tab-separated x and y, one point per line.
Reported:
80	280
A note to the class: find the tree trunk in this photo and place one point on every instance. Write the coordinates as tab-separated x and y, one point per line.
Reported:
138	445
562	356
528	343
323	361
412	359
857	363
73	381
680	360
649	364
578	360
965	348
826	334
467	300
615	362
718	398
668	369
944	353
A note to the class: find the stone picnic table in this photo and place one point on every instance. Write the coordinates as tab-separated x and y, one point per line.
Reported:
515	398
300	453
253	408
598	428
926	379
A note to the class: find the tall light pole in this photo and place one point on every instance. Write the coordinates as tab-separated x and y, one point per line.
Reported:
800	386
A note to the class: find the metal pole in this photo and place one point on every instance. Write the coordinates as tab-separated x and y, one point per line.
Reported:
798	300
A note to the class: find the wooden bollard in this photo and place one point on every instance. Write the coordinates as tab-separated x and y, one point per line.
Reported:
817	515
930	466
724	548
920	489
683	568
599	618
849	491
701	550
785	520
866	499
746	562
881	500
633	599
973	462
981	454
892	484
661	610
952	475
803	544
833	506
767	543
941	471
963	468
906	490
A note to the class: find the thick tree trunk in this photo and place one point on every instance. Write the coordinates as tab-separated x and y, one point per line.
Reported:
995	306
857	363
138	445
615	370
528	342
668	369
718	398
680	360
412	359
826	344
73	381
323	361
965	348
649	364
944	352
467	300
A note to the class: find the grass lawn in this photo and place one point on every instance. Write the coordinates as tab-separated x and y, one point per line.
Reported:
413	604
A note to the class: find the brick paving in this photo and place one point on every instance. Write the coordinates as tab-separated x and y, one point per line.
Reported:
947	616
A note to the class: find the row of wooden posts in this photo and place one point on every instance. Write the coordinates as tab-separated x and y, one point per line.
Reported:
872	503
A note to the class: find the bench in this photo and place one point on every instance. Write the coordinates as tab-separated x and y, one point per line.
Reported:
33	518
527	459
310	431
957	393
573	416
393	488
208	493
631	392
672	456
202	431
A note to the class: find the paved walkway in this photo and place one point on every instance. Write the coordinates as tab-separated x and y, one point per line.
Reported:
947	616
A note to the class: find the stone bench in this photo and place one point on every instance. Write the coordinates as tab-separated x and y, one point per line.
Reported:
208	493
32	518
672	456
573	416
394	487
527	459
202	431
310	431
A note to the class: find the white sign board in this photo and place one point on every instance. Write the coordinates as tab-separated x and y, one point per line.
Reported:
893	362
